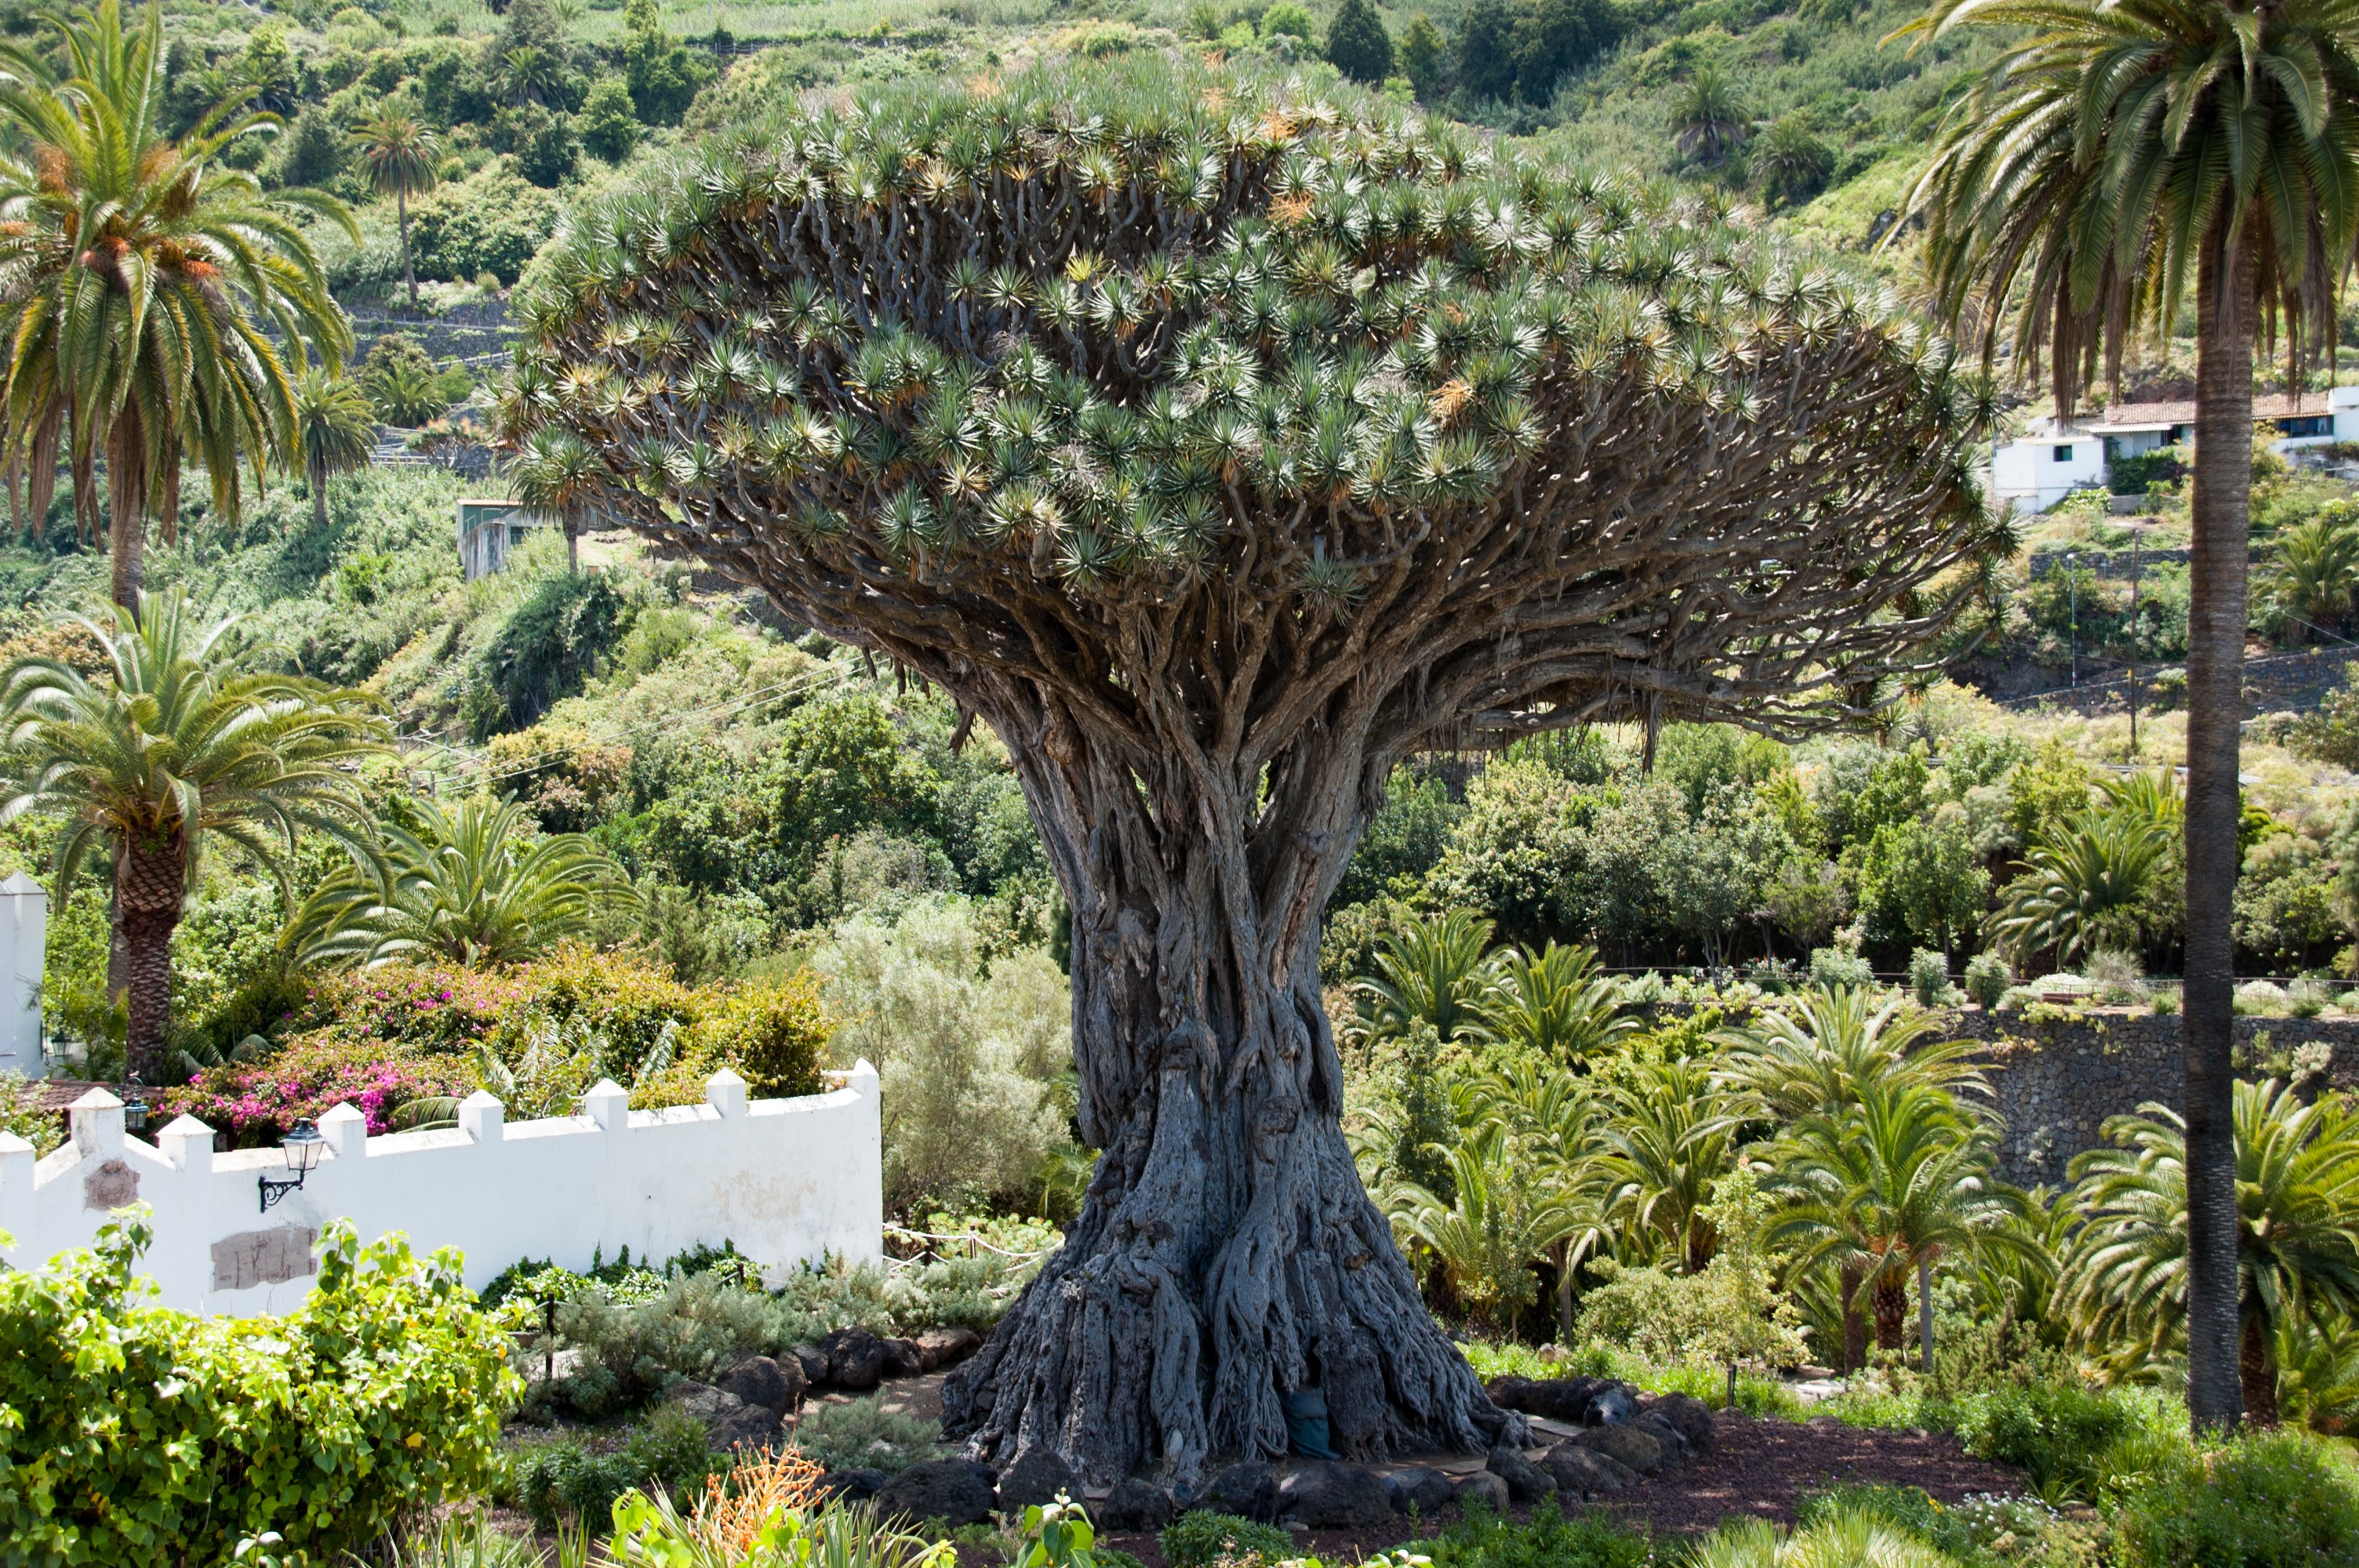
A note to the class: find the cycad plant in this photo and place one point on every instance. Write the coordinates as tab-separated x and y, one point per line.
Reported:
2115	168
1811	1054
333	430
2297	1232
1433	969
158	297
472	886
2313	582
186	739
1559	1004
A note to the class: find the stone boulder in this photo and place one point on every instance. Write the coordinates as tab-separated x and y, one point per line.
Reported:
1610	1406
1136	1506
1625	1444
855	1358
1666	1436
1583	1472
1425	1490
1326	1495
1037	1477
1248	1490
813	1361
901	1358
1507	1391
853	1485
955	1491
760	1380
1562	1398
1527	1482
939	1347
1690	1415
1484	1489
728	1421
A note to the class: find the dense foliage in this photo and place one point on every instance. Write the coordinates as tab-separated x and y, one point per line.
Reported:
143	1434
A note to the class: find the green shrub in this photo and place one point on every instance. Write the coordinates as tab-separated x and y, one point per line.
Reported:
21	1113
1987	979
2057	1434
1202	1538
2271	1500
139	1435
1929	976
1834	967
1546	1541
567	1476
863	1435
630	1349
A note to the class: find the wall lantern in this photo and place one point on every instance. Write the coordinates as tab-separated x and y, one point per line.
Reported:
302	1144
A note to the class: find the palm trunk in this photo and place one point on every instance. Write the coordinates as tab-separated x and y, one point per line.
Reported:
1854	1322
127	508
1925	1311
1888	1298
408	270
150	878
2256	1368
320	497
2215	654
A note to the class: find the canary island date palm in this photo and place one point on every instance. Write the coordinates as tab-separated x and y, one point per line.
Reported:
1558	1003
472	886
400	155
335	431
1436	969
154	296
1889	1186
183	739
1220	445
2086	886
2297	1232
2114	159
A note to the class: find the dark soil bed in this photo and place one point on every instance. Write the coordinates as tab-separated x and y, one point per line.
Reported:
1756	1468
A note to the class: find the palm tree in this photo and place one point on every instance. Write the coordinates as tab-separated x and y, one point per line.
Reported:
1890	1186
2085	887
2314	582
2110	156
1559	1004
553	475
183	741
1498	1223
471	887
151	286
1671	1137
1707	123
2297	1221
1433	969
335	431
400	153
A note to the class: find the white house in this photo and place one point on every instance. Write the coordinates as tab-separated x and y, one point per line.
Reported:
2049	461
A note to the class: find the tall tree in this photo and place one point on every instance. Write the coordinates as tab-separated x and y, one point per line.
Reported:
1218	465
400	153
1357	44
151	284
184	741
333	429
2112	157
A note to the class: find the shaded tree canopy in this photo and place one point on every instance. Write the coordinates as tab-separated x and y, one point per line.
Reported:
1221	446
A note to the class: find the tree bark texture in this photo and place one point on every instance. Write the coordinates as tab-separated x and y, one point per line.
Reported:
1855	1321
126	500
2217	616
150	881
1887	1299
1201	740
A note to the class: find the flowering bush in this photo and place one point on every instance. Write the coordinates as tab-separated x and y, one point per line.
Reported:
254	1104
536	1034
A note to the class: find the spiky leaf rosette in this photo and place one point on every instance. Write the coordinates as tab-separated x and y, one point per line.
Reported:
1218	444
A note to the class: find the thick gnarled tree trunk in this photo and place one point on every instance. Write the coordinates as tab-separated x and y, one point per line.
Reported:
1226	1252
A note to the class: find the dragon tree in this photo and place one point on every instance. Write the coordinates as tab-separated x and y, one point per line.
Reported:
1220	445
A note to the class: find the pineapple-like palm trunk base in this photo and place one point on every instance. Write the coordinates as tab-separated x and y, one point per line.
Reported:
2257	1368
150	881
1226	1252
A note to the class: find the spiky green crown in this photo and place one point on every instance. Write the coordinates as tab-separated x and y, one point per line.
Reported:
1106	332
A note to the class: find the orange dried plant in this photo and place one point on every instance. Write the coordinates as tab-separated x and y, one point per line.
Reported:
736	1507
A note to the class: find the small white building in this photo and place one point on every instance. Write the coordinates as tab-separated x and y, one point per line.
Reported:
489	530
2049	461
23	939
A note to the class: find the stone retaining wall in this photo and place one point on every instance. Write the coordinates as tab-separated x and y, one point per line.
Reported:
2058	1075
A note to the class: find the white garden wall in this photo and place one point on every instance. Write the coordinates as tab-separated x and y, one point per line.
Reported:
786	1180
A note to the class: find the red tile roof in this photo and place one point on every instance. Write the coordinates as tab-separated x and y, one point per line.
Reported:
2144	416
